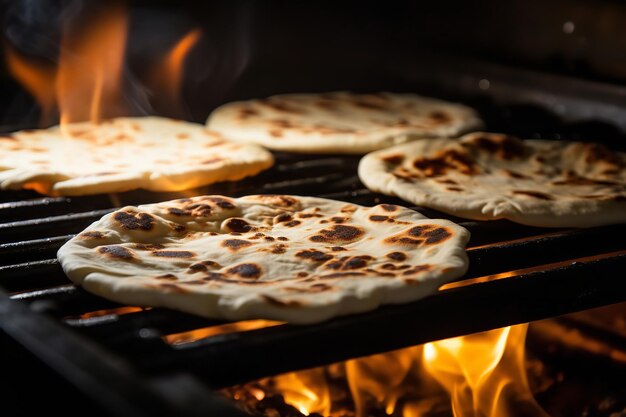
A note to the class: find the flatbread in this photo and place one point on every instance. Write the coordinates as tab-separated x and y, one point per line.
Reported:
287	258
341	122
121	154
486	176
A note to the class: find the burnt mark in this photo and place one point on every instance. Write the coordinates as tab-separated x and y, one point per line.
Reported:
279	248
456	189
247	112
132	220
246	270
117	252
275	133
199	209
338	219
173	254
238	225
389	207
534	194
439	117
222	203
236	244
338	233
437	236
92	235
417	235
302	274
308	215
279	200
505	147
338	248
282	218
167	277
178	212
395	159
148	246
293	223
349	262
448	160
314	255
376	218
396	256
269	239
282	238
203	266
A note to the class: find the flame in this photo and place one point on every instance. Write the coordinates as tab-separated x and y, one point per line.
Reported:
307	390
203	333
484	373
90	67
379	377
38	80
169	74
88	82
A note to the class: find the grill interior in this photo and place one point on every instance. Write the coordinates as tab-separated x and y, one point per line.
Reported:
118	357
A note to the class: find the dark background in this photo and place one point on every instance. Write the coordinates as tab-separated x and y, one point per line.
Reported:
257	48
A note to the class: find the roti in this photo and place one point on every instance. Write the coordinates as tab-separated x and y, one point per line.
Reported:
487	176
288	258
121	154
341	122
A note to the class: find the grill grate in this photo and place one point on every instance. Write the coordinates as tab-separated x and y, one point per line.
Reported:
517	274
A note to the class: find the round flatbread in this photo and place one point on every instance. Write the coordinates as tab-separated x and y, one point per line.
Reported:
121	154
488	176
287	258
341	122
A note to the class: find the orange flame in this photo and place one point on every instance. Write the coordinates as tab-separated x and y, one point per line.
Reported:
170	73
308	391
87	84
38	80
484	373
90	68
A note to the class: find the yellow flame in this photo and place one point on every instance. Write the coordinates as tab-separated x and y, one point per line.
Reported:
484	373
308	391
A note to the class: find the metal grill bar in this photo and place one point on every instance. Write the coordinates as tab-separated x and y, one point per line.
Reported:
33	228
240	357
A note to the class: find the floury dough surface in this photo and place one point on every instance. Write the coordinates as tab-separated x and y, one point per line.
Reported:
288	258
122	154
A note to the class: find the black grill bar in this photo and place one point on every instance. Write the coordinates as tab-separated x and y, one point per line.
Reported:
107	379
235	358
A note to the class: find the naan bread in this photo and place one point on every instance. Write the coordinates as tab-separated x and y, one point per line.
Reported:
288	258
341	122
122	154
487	176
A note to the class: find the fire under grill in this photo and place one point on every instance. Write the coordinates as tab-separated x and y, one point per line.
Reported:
121	356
